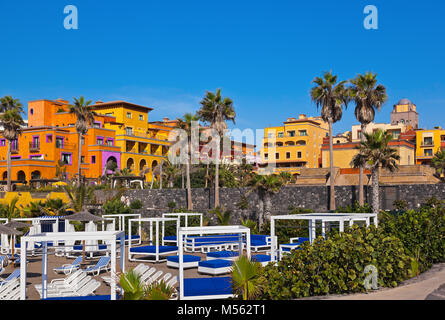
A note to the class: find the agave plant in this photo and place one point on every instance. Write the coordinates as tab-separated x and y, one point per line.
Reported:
134	288
159	291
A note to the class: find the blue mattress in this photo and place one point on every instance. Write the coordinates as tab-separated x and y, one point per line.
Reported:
207	286
173	238
80	247
261	258
152	249
216	263
133	237
223	254
186	258
293	245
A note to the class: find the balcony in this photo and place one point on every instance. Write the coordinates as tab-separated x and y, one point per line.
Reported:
426	144
15	151
34	147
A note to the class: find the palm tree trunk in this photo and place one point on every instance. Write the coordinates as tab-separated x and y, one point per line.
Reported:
331	166
8	160
79	172
182	177
361	199
189	189
207	175
375	190
217	183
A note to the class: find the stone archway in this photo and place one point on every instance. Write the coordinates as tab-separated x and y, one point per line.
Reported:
21	176
35	175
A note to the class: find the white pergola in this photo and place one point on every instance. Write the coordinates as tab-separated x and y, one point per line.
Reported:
325	219
111	236
120	219
186	215
156	222
185	231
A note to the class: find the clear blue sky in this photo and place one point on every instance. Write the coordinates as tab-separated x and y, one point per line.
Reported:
263	54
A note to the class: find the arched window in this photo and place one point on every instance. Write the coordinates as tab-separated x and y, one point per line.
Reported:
130	164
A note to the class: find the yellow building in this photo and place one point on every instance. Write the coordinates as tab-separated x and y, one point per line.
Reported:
294	145
142	144
428	142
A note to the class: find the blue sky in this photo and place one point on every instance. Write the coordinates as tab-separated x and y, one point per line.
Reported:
262	54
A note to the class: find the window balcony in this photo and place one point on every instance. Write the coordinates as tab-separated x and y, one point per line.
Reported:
34	147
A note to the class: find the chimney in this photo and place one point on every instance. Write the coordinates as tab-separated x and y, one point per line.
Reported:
166	119
302	116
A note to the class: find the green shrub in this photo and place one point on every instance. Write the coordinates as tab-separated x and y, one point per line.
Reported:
336	265
115	206
136	204
171	205
355	208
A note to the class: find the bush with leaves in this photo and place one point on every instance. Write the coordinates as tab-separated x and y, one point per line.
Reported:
355	208
115	206
336	265
136	204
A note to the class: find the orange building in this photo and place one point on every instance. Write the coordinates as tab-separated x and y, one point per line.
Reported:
51	136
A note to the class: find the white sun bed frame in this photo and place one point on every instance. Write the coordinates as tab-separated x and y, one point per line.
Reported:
120	219
186	215
325	219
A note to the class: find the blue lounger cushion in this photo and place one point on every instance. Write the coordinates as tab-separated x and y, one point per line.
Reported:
223	254
186	258
207	286
172	238
216	263
133	237
296	245
80	247
152	249
261	258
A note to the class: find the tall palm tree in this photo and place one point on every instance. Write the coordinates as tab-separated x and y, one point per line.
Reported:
438	163
9	103
265	186
216	110
170	173
331	97
368	97
84	117
12	122
185	123
375	154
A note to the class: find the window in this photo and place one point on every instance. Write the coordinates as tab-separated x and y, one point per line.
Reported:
129	115
59	142
82	159
303	133
96	125
15	144
2	142
35	141
280	134
82	141
129	131
141	117
428	152
428	141
36	157
93	159
49	138
100	141
66	158
109	114
277	156
266	156
270	135
299	154
31	111
287	155
396	134
110	142
291	133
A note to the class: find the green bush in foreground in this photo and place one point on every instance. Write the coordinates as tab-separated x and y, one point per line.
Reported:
336	265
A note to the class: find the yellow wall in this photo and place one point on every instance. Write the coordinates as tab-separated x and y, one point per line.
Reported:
25	198
422	147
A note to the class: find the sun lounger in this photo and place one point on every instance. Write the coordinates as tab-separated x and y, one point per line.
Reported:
215	266
264	259
11	290
190	261
70	267
150	251
225	255
75	277
208	288
14	275
102	264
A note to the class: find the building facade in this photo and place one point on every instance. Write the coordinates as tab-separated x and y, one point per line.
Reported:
428	143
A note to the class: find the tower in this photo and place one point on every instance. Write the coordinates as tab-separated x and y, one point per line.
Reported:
404	112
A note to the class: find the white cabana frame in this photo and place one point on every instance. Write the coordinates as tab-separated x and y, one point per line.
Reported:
325	219
212	230
111	236
120	219
156	222
186	215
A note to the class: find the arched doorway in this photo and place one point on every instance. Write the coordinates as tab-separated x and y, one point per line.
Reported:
21	176
130	164
111	163
35	175
5	175
142	164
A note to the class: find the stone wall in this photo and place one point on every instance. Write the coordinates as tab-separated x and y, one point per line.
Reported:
313	197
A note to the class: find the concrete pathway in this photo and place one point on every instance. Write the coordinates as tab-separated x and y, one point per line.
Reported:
430	285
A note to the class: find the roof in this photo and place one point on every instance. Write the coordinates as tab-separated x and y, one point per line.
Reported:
404	102
117	102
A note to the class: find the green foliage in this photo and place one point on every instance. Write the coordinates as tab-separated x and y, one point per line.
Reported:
136	204
10	210
33	209
400	205
158	291
246	278
132	285
115	206
421	231
79	196
355	208
171	205
250	224
222	215
243	204
336	265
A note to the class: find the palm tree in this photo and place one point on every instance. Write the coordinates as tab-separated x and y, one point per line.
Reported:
170	173
331	97
79	196
265	186
368	96
246	277
12	123
9	103
216	111
185	123
438	162
84	117
375	154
